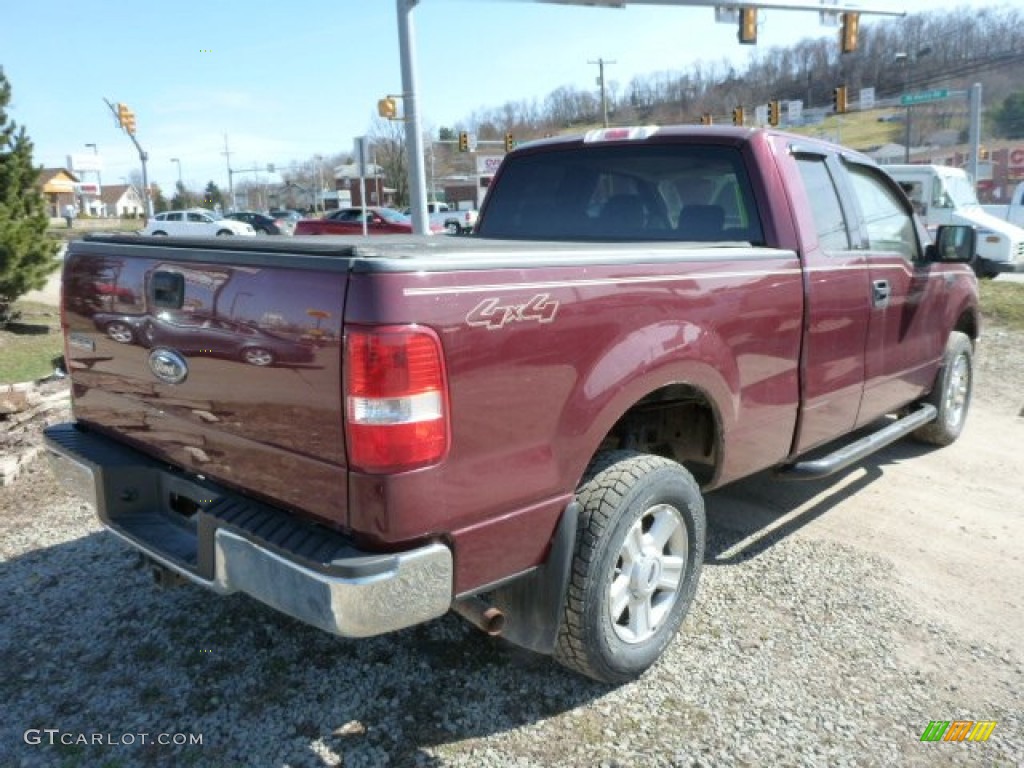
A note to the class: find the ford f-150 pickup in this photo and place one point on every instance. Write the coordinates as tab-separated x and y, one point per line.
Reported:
518	425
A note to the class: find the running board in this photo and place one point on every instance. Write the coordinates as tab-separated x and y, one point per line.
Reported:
813	469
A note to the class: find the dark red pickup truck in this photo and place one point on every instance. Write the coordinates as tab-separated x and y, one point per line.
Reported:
516	425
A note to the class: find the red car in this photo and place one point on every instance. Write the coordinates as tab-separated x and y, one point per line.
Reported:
348	221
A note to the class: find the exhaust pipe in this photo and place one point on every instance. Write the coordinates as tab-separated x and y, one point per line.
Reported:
481	615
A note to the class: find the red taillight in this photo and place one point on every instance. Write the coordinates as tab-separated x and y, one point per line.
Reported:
396	399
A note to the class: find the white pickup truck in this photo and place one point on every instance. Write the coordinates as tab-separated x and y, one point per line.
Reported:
453	220
945	195
1012	212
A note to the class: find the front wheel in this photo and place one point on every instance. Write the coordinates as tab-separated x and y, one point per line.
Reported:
120	332
225	233
639	551
258	356
952	393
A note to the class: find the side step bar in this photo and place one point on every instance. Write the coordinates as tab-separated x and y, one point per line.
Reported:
812	469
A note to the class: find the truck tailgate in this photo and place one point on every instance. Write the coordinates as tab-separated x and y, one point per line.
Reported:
222	359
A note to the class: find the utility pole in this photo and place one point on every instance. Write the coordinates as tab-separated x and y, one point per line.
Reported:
604	94
231	183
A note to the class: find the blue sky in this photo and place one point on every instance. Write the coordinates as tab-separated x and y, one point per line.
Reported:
285	81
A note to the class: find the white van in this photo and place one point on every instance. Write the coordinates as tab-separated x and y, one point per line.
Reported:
945	195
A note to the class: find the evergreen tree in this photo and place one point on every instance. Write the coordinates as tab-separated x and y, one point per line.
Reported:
26	253
1009	117
212	196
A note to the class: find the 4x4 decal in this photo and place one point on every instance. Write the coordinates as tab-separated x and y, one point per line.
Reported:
492	315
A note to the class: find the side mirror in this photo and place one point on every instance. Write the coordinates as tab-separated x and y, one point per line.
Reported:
953	244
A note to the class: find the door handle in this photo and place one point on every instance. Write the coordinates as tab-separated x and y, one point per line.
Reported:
880	293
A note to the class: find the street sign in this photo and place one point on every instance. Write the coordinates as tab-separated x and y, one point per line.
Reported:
761	114
922	97
794	111
867	98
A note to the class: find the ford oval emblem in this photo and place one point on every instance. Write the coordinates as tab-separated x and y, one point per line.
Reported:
167	365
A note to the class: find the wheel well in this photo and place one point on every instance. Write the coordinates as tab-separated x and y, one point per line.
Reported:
677	422
967	323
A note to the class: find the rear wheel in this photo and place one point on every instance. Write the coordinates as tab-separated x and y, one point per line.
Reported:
952	393
224	233
159	233
639	551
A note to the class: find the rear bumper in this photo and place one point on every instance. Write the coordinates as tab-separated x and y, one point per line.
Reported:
230	543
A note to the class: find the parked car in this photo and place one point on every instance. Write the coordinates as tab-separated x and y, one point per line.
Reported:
945	195
202	334
348	221
452	220
196	222
262	223
284	213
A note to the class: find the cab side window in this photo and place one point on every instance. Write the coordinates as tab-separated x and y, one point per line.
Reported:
825	207
888	226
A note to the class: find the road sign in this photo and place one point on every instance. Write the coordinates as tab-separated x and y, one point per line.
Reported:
867	98
794	111
922	97
487	165
761	114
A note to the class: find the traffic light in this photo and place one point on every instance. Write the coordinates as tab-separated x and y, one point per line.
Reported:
748	26
849	32
707	119
737	116
126	119
774	112
983	153
839	99
510	143
463	141
387	108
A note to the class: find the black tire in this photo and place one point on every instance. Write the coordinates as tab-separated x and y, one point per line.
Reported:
951	395
225	233
452	228
159	233
258	356
628	494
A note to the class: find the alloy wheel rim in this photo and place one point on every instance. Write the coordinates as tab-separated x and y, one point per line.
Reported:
957	391
648	574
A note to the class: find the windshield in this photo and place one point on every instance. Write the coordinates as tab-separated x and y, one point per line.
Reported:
960	191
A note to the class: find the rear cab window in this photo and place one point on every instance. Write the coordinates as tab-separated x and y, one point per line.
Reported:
625	192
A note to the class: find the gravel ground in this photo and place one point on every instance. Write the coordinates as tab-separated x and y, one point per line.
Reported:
801	652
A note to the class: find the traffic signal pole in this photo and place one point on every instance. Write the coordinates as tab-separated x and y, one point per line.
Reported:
413	132
126	121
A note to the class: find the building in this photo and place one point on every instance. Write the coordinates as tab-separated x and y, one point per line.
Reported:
59	187
123	201
346	180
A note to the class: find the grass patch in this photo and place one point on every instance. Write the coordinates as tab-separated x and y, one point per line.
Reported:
28	346
1003	303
